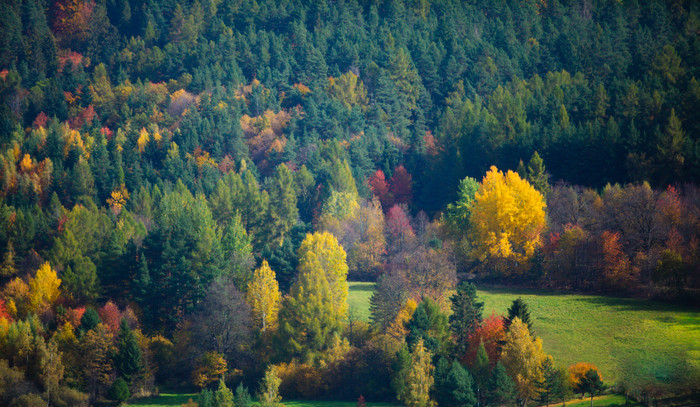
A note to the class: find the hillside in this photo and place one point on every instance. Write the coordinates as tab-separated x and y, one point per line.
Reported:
187	185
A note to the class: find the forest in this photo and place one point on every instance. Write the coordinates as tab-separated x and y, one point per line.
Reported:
187	187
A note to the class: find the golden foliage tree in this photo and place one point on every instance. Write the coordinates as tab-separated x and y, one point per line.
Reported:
44	287
212	367
507	218
522	357
418	378
264	297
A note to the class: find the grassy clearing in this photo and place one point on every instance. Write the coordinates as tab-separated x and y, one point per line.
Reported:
358	299
625	338
332	404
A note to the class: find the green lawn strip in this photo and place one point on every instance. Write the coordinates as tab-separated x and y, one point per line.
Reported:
333	404
359	294
600	401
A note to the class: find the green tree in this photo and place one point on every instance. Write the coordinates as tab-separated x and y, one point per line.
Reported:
502	391
317	305
518	309
466	315
242	397
128	359
591	383
119	390
429	326
283	203
223	397
482	373
269	389
453	385
536	174
52	368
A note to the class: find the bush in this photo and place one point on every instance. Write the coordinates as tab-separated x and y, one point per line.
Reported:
119	390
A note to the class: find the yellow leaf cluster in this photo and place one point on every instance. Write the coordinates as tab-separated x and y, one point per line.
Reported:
522	357
118	198
507	217
44	287
143	140
397	329
264	297
26	164
212	367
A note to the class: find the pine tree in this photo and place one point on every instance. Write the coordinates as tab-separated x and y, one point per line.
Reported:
482	372
223	397
283	204
453	385
242	397
466	315
518	309
502	390
128	360
7	268
536	174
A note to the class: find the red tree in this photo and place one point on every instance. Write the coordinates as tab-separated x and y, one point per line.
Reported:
401	185
111	316
380	188
492	333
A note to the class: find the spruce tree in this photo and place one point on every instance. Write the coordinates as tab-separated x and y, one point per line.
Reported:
502	390
466	315
129	357
520	310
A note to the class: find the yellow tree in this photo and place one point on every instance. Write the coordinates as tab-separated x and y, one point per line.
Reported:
320	252
418	378
522	357
317	305
264	297
507	218
44	287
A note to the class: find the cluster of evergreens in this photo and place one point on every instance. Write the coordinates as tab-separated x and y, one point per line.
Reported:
164	165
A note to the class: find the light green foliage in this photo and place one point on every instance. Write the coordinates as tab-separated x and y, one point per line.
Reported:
317	305
417	378
269	389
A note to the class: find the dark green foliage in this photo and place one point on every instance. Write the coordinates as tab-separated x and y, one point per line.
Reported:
502	390
242	397
128	360
90	320
466	315
119	390
590	383
429	324
453	385
553	384
518	309
482	373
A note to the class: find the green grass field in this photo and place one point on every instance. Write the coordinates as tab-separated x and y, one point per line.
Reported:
358	299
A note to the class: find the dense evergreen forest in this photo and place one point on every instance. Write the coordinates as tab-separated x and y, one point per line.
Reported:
187	186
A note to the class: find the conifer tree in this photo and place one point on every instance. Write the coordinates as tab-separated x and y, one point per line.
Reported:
223	397
466	315
502	390
283	204
536	174
128	360
518	309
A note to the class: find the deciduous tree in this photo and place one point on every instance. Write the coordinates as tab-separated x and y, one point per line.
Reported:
263	295
506	220
522	357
